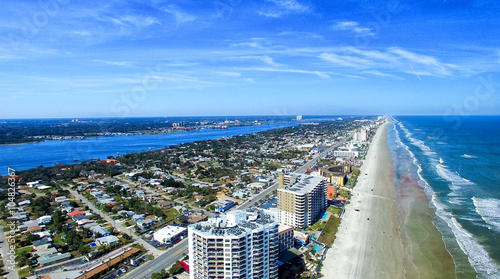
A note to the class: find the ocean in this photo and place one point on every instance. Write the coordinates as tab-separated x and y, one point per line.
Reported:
456	162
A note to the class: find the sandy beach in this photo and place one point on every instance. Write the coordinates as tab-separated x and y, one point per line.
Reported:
368	243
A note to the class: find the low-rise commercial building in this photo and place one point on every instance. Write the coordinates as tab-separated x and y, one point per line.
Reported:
169	234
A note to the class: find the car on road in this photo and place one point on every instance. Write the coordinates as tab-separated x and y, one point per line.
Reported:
356	209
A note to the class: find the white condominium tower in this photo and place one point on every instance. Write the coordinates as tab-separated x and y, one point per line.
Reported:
301	199
240	244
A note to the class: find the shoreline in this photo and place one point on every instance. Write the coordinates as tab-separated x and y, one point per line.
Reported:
368	242
426	253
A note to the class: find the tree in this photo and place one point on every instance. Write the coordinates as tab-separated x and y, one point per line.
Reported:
33	237
176	268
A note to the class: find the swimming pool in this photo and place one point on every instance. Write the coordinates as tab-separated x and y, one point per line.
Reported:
316	248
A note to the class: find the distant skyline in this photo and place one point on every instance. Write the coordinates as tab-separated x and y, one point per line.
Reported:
79	59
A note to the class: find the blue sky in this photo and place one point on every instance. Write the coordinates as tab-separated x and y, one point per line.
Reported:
70	58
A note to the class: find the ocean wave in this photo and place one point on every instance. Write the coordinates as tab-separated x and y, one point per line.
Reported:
432	155
468	156
457	182
488	209
476	254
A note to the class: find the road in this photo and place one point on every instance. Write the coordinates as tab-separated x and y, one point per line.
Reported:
167	259
162	262
151	249
4	245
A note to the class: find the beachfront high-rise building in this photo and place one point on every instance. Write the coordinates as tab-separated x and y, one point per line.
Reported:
285	236
240	244
361	134
301	199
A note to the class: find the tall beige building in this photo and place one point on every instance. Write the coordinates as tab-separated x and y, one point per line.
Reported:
301	199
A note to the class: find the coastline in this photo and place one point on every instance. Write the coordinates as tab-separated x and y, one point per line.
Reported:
368	242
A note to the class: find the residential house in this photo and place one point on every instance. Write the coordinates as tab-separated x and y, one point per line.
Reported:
44	219
108	240
34	229
165	204
146	223
138	217
54	258
24	203
98	230
42	244
61	199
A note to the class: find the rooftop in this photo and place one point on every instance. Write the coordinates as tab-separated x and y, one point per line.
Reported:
303	183
236	222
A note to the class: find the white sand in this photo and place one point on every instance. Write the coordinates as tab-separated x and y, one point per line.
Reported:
369	248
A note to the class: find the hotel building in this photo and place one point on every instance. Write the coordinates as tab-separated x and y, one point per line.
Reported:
301	199
239	244
285	236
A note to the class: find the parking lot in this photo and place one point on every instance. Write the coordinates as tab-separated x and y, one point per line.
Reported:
120	270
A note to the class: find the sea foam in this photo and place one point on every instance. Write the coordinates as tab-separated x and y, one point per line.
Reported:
476	254
488	209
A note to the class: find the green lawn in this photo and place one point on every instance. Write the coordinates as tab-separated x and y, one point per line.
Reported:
171	214
24	272
318	226
27	249
333	210
328	235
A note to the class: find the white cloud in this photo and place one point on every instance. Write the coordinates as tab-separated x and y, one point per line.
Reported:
115	63
378	73
295	71
229	74
283	7
82	33
180	16
127	20
378	62
264	58
250	44
346	60
353	27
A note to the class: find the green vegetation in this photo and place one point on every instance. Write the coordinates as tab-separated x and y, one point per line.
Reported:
333	210
345	193
328	235
318	226
24	249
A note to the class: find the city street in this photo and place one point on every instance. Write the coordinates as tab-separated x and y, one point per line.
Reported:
161	262
4	245
151	249
175	253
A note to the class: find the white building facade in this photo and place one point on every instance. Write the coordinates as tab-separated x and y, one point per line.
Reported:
240	244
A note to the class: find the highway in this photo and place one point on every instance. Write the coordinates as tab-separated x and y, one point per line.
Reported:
175	253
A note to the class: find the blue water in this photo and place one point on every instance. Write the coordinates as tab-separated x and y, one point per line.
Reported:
457	162
316	248
48	153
